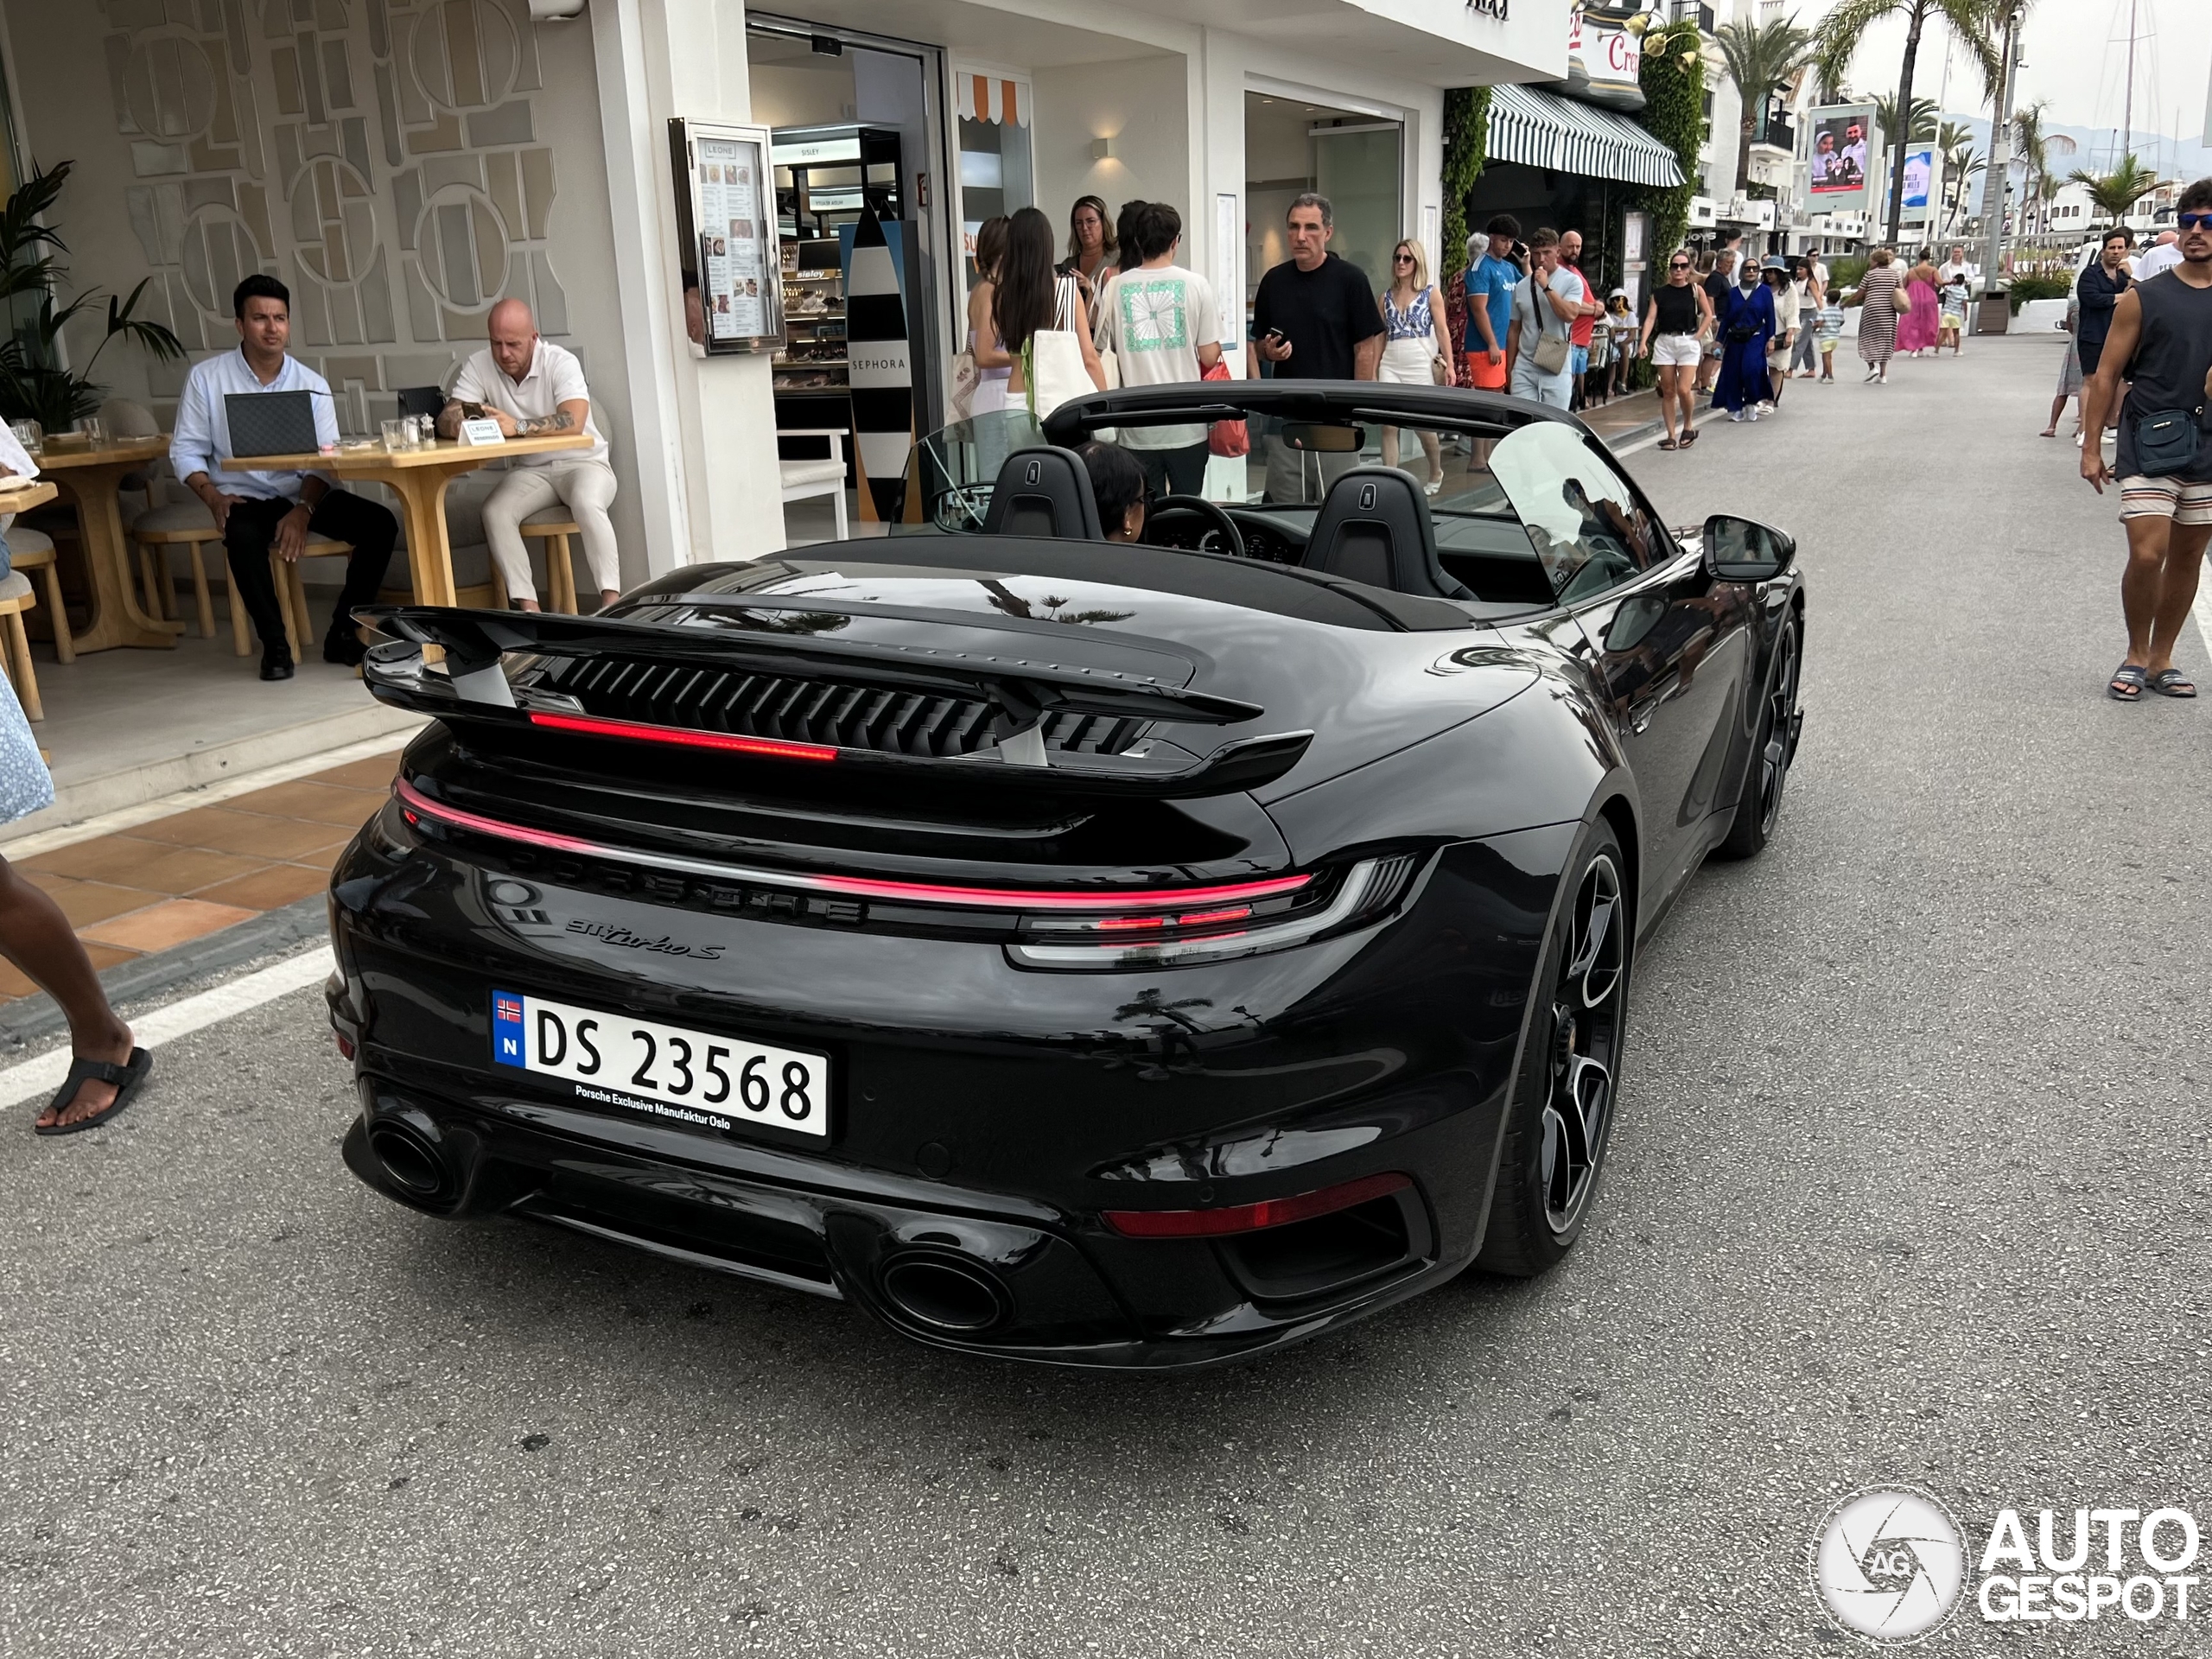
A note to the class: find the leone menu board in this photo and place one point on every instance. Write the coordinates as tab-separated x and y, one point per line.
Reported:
726	193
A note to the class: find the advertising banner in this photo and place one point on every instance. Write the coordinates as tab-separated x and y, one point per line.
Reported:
1919	183
1842	146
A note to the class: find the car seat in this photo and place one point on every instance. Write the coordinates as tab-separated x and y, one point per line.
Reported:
1042	491
1374	527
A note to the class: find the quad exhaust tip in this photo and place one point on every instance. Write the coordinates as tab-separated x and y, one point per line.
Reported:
945	1292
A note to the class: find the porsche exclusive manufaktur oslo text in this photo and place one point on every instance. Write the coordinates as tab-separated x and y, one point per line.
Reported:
1101	954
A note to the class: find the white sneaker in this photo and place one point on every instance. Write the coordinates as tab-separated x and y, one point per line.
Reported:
1736	414
1751	414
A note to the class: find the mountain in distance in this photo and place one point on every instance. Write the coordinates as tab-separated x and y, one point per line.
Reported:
2098	148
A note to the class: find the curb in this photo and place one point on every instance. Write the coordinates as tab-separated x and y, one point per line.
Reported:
34	1018
1632	435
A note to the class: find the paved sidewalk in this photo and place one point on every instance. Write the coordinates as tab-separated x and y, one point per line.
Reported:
172	880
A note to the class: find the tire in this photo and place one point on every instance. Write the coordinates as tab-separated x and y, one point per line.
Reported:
1774	746
1559	1119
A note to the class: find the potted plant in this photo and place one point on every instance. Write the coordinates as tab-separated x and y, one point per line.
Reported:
32	384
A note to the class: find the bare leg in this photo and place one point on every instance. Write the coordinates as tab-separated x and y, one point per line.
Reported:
1686	394
2058	409
1668	376
1389	446
1435	450
36	936
2184	562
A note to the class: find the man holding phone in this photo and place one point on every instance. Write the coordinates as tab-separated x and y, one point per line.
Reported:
1315	318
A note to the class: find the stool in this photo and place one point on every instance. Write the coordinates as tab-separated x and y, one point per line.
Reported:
802	479
554	526
15	598
186	524
292	591
29	550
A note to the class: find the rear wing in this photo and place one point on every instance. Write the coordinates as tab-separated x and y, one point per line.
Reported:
1020	693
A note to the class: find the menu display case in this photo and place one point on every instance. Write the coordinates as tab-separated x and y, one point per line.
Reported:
729	244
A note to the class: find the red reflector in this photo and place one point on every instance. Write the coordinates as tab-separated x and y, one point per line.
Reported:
1251	1217
1207	918
680	737
1117	923
345	1046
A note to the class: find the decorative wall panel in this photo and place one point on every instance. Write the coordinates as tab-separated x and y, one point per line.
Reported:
383	157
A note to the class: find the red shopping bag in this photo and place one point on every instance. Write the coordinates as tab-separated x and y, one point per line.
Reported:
1228	438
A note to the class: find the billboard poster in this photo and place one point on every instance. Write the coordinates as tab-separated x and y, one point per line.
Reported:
1842	148
1919	182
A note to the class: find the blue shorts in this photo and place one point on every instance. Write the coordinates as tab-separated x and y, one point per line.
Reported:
1578	359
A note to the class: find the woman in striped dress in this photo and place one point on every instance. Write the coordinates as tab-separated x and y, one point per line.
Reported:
1881	299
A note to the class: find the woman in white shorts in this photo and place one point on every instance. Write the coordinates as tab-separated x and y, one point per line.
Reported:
1416	350
1676	321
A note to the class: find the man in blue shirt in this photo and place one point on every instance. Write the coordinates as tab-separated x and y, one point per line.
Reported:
1490	282
256	509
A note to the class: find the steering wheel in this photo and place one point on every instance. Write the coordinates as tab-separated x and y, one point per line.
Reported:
1232	539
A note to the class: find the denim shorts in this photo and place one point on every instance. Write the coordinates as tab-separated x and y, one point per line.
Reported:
1578	359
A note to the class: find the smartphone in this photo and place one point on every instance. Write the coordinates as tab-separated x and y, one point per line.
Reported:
471	412
1273	333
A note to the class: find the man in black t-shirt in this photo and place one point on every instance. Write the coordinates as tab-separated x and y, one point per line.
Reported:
1315	318
1716	289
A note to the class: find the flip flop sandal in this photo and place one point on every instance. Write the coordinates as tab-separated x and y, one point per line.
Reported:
126	1079
2127	684
2172	683
1690	436
1669	443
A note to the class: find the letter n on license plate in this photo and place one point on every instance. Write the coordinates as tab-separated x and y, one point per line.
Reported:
665	1072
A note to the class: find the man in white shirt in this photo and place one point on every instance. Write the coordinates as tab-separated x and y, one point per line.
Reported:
2162	255
1163	325
531	388
255	509
1548	302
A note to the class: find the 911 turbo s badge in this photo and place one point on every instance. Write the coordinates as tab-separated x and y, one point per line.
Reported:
615	933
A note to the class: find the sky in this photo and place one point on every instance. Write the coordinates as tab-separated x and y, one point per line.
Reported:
2076	53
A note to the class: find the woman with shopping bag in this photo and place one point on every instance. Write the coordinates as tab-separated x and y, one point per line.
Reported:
1041	321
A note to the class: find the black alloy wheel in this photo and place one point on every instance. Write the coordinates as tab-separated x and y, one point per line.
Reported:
1561	1115
1759	808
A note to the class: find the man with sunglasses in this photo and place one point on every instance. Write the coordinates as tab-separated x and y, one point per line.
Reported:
2160	346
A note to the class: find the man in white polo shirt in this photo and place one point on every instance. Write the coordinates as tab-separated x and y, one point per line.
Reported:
256	511
532	387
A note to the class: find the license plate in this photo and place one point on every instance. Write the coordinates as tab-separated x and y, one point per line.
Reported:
667	1072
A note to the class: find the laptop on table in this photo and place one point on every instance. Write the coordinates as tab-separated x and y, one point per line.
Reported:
270	423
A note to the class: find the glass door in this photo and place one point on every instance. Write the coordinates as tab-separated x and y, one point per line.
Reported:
1358	168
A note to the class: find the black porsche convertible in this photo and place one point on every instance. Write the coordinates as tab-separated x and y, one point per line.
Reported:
1102	953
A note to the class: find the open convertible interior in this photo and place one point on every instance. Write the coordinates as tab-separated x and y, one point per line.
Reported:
1523	514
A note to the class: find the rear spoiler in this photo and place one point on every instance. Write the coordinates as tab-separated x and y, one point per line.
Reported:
474	686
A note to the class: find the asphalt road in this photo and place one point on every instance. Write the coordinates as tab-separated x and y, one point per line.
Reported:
1911	1184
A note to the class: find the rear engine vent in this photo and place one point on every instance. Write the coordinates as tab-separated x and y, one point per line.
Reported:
838	713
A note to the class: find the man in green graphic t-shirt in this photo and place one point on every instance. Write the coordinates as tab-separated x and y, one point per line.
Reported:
1162	325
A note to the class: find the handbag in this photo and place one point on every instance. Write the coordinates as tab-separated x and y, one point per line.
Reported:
1439	369
1052	361
2169	440
1553	350
1228	438
966	376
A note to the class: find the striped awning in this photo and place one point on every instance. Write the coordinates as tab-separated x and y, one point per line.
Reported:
1544	130
991	97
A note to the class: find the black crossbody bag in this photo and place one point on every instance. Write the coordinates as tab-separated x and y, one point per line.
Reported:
2169	440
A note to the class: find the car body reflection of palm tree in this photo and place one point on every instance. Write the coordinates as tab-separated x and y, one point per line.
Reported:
1004	598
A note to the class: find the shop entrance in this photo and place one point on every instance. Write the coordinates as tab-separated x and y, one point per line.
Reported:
856	130
1356	160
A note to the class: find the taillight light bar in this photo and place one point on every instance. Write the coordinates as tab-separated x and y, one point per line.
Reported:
418	805
682	737
1254	1218
1369	890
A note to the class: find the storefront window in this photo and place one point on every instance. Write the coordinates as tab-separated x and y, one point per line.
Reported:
995	166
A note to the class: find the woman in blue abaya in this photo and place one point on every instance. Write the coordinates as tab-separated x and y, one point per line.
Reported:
1746	324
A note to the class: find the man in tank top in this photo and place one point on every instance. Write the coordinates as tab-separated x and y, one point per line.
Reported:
2160	345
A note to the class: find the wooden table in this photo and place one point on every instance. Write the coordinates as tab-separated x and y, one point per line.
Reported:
92	476
419	478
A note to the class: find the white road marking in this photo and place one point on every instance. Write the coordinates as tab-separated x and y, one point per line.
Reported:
2203	609
40	1077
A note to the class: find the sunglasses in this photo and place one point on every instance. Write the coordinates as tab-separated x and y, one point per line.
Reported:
1679	264
1402	259
2194	222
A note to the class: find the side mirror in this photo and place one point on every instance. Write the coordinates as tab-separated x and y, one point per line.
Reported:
1743	549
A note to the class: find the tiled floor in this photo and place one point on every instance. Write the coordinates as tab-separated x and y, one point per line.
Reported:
176	879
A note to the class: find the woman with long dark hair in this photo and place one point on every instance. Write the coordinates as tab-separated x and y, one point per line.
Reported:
1032	296
993	366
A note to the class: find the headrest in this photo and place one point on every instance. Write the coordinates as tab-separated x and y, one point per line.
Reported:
1042	491
1374	527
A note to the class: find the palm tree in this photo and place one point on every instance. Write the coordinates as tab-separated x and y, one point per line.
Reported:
1762	59
2116	192
2035	146
1923	118
1843	28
